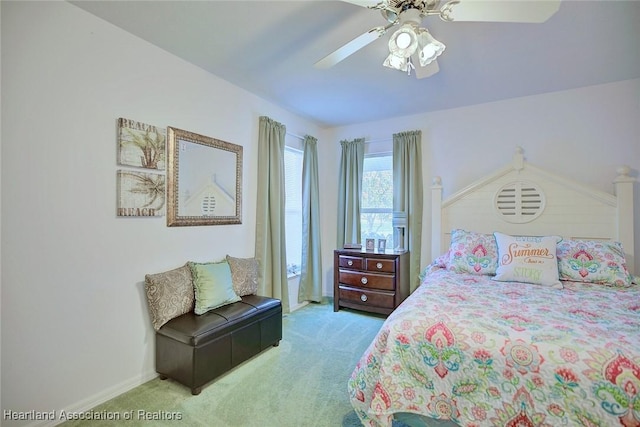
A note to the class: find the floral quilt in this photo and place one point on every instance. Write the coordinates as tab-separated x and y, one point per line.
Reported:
479	352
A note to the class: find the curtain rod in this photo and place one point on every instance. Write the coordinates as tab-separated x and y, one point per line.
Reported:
379	140
296	136
366	142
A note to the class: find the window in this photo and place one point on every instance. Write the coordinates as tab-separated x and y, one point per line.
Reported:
293	208
377	198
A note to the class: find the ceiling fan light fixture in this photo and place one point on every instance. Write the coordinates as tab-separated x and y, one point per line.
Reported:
428	47
396	62
390	14
404	41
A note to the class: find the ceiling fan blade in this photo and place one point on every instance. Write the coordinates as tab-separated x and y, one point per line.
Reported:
426	71
363	3
352	47
534	11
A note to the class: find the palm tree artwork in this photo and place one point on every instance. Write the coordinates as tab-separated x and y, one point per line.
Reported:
141	145
140	193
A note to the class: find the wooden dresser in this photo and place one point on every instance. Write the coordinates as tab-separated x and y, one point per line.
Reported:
371	281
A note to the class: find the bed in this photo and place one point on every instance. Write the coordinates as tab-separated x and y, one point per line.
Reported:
529	316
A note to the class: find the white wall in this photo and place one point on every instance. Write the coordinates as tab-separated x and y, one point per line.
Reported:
583	133
75	327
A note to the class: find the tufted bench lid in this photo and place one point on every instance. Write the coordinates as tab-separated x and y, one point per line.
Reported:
261	303
195	330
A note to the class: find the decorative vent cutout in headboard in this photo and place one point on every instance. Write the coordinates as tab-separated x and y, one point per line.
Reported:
519	202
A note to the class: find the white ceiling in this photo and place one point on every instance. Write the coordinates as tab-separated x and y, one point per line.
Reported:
269	48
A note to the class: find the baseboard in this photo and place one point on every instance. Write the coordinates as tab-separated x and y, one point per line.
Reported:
298	306
325	300
91	402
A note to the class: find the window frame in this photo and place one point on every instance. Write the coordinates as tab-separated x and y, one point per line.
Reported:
293	269
375	210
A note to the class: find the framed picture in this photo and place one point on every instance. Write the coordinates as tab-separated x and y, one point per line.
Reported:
371	244
382	245
204	180
140	193
141	145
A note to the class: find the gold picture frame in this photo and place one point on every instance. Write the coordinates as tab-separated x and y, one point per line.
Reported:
204	180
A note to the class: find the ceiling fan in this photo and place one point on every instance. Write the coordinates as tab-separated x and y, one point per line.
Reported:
413	47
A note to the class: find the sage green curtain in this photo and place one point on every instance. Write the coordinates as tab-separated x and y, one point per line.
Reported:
311	265
270	230
349	189
407	194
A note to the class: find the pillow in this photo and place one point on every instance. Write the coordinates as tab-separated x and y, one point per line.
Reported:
212	286
169	294
473	253
593	261
244	275
528	259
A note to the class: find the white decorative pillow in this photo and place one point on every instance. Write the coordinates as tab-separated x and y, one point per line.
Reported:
528	259
472	253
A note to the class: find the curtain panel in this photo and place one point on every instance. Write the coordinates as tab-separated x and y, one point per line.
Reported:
349	189
311	265
271	248
407	194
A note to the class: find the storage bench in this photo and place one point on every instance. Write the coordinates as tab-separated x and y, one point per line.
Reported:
194	349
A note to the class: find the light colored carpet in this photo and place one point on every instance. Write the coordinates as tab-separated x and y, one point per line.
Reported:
303	382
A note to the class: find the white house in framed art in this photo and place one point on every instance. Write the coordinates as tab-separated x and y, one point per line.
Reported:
210	200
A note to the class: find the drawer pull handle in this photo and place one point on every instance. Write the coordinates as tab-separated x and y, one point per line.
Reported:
379	265
363	297
364	280
349	263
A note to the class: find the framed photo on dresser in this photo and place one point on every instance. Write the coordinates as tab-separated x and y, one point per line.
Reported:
371	245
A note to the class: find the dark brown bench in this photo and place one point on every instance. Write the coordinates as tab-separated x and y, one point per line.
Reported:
195	349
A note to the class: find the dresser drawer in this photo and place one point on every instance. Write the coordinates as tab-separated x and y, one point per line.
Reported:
371	281
367	280
367	297
355	262
382	265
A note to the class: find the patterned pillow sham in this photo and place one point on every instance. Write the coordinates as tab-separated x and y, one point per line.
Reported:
169	294
601	262
473	253
244	275
528	259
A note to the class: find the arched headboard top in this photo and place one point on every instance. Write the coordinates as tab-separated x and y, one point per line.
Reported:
522	199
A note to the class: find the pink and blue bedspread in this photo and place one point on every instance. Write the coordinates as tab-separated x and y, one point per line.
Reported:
479	352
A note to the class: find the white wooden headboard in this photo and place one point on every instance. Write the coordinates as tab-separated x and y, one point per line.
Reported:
522	199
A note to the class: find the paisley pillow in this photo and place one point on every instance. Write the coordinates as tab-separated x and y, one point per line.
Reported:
593	261
169	294
472	253
244	275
